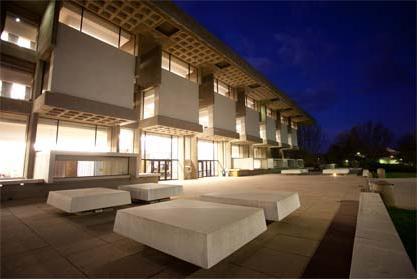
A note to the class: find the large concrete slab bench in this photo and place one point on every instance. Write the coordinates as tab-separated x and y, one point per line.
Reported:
152	191
295	171
201	233
78	200
276	205
378	251
340	171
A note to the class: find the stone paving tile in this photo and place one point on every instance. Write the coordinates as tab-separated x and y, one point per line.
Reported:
228	270
295	245
276	264
40	263
177	269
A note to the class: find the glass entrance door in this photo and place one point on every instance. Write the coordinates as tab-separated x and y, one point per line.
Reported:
163	167
207	168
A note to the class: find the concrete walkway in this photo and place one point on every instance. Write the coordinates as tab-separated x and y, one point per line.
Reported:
40	241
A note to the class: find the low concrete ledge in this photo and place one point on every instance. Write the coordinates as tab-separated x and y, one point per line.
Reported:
378	251
294	171
336	171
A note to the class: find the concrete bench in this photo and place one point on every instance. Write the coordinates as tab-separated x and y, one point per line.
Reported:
295	171
276	205
152	191
336	171
202	233
378	251
79	200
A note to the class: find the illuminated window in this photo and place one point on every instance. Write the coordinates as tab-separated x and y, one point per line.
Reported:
239	126
250	103
259	152
63	135
262	132
206	150
223	89
20	33
96	27
179	67
278	135
159	146
269	112
149	103
15	84
126	140
203	119
240	151
12	146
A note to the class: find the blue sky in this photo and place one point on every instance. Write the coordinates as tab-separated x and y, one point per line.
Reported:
343	62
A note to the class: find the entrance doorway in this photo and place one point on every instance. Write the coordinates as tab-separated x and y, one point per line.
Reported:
166	168
207	168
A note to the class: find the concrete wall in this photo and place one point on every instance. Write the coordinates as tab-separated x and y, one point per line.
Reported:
252	122
88	68
178	97
284	133
224	113
243	163
150	68
270	128
47	29
294	138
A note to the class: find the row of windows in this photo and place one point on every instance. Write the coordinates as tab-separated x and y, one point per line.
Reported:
179	67
224	89
97	27
19	32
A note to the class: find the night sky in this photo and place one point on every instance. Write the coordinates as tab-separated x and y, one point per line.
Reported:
343	62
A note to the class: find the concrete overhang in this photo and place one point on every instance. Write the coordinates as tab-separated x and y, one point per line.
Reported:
181	35
15	106
217	134
170	126
267	143
248	139
71	108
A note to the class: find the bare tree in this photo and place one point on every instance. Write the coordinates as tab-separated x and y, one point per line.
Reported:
311	139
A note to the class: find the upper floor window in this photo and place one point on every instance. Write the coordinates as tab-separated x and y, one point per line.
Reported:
223	89
269	112
251	103
96	27
203	118
19	32
179	67
148	103
15	84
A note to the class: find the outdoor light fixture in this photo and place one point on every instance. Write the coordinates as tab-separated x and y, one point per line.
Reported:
334	174
17	19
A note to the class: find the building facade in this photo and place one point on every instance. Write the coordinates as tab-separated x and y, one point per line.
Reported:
112	89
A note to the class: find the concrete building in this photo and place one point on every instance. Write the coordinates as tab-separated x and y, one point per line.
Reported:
113	89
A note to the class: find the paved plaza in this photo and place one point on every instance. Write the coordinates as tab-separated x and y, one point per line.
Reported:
40	241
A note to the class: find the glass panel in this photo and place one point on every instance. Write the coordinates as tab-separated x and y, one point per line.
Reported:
20	33
223	89
262	132
103	139
149	103
250	103
100	29
187	148
179	67
157	147
239	126
174	148
75	137
235	151
165	61
174	170
80	168
15	84
193	74
46	135
205	150
203	118
126	140
12	147
70	15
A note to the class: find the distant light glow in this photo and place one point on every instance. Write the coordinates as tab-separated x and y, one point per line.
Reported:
334	174
17	19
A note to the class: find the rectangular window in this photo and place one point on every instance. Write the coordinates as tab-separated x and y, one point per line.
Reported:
259	152
63	135
149	103
12	146
19	32
15	84
97	27
203	118
269	112
187	148
240	151
239	125
179	67
250	103
107	166
126	140
223	89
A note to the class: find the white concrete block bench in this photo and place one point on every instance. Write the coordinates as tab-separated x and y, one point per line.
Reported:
295	171
202	233
378	251
78	200
276	205
152	191
342	171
